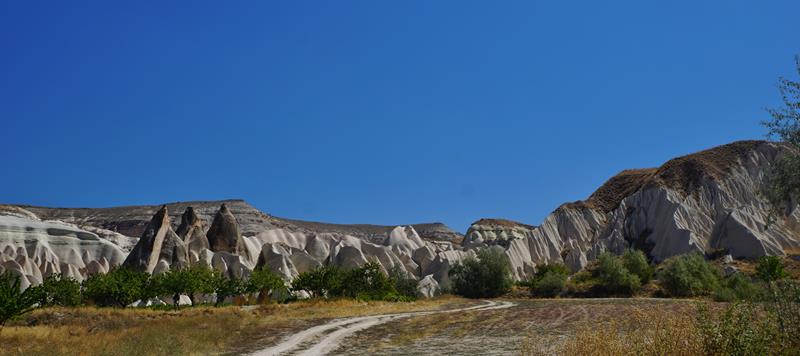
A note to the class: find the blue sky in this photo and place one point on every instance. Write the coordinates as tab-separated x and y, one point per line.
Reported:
374	111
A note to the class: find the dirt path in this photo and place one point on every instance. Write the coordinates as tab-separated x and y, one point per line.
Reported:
325	338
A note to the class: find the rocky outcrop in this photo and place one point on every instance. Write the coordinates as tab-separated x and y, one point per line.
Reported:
224	232
159	248
34	249
192	232
707	202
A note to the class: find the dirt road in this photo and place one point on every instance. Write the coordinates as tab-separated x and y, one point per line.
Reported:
325	338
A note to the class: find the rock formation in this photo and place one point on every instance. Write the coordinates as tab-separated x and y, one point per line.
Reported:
159	248
707	202
192	232
224	232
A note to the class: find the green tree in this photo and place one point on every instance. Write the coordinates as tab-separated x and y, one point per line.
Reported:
636	262
770	269
190	281
264	282
689	275
323	281
487	276
404	284
225	286
59	290
613	277
119	287
782	188
367	282
13	300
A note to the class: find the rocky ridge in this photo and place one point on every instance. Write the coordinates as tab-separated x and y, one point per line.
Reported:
707	202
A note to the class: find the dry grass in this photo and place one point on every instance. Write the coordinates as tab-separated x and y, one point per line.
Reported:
201	330
642	332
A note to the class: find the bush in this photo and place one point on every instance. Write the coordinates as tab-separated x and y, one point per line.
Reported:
739	330
190	281
322	281
119	287
613	278
770	269
737	287
224	286
688	275
265	282
403	284
636	263
487	276
14	301
61	291
550	285
367	282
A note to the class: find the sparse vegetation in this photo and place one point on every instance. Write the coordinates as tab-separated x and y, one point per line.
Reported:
770	269
485	277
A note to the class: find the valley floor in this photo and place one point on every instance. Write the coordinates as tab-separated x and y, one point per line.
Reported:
446	325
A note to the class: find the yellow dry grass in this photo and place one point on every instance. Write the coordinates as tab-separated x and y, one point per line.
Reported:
200	330
644	332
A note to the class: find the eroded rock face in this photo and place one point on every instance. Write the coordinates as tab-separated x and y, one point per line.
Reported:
159	248
34	249
192	232
224	232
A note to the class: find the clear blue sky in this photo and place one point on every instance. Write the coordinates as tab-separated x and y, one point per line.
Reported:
385	112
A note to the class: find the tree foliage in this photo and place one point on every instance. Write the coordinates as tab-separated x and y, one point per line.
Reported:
322	281
770	269
636	263
119	287
782	188
689	275
14	301
59	290
487	276
613	277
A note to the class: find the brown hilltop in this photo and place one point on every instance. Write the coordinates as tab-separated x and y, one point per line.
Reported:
684	174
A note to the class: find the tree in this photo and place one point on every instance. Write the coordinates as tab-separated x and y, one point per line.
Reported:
636	262
59	290
367	282
225	286
613	277
549	280
14	301
263	281
322	281
689	275
190	281
404	284
120	287
487	276
782	188
770	269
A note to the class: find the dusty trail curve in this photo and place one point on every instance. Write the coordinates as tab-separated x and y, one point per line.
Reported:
325	338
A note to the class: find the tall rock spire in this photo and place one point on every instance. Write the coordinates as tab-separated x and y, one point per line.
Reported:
224	232
192	231
158	245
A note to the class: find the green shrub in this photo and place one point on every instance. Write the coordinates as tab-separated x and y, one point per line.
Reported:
688	275
225	286
770	268
550	285
367	282
613	278
322	281
739	287
119	287
59	290
189	281
403	283
14	301
265	282
636	263
487	276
